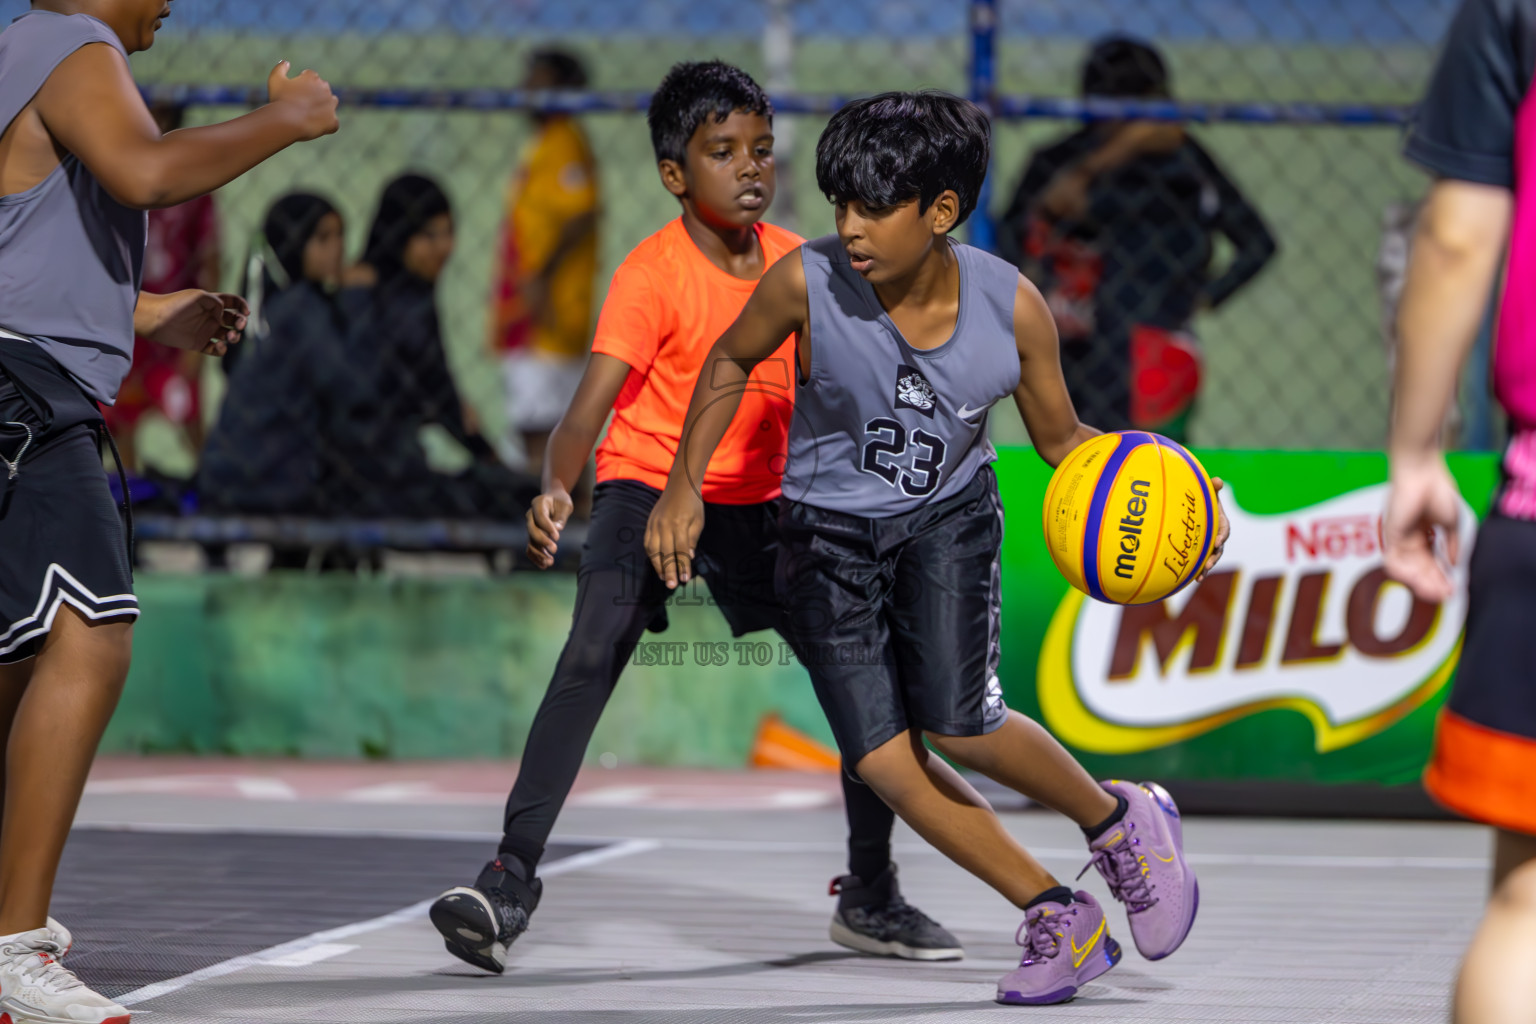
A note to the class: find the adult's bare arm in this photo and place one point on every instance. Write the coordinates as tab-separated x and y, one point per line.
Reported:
1460	239
91	107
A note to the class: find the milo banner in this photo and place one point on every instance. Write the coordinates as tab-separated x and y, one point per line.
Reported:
1296	660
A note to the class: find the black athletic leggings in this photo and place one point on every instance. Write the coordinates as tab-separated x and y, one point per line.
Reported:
618	595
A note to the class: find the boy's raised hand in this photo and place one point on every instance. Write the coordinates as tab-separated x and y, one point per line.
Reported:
672	534
309	97
547	517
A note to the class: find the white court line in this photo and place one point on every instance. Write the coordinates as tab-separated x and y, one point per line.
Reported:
311	956
1268	860
289	952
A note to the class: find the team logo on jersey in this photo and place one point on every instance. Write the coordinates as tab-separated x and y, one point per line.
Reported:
913	390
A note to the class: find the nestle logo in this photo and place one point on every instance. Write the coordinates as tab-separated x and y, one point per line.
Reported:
1334	537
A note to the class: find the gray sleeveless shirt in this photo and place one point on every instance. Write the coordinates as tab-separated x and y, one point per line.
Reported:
881	428
71	256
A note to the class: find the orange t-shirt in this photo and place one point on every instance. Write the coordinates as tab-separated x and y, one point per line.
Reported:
666	308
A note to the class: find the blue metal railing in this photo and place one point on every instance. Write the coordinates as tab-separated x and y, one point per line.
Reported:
1004	108
983	89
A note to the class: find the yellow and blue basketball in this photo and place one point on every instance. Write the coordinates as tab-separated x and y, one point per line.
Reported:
1130	517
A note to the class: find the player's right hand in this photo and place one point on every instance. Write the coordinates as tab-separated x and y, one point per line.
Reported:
547	517
1423	505
672	534
309	97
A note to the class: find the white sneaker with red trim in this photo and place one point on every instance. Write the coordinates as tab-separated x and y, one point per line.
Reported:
62	936
36	989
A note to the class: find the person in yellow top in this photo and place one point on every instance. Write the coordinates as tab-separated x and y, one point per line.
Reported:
541	317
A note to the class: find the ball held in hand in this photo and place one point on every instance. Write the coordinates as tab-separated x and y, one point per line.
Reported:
1130	517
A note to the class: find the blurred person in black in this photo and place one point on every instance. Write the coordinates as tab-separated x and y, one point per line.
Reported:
1116	225
263	456
376	464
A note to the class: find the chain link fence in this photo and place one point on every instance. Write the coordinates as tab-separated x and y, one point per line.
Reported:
1299	104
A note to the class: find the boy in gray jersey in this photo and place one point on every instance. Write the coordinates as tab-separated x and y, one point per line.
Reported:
891	529
81	159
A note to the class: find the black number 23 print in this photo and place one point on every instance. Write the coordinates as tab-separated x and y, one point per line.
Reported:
887	441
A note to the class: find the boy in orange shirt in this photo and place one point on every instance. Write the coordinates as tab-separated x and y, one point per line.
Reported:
711	127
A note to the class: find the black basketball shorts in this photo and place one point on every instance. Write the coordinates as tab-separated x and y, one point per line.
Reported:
736	555
62	540
898	619
1484	761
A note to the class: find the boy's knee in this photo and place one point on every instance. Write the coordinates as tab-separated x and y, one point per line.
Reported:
966	751
949	746
1518	891
892	768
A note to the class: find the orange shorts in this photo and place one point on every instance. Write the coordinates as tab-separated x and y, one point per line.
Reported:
1484	761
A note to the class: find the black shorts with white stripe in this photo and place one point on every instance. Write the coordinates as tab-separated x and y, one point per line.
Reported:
62	540
899	618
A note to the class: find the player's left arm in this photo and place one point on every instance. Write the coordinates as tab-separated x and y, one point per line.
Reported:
1046	406
1042	392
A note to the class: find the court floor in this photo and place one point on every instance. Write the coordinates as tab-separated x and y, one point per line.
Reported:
214	892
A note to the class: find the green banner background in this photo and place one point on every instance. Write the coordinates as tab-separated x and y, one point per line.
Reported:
338	666
1268	744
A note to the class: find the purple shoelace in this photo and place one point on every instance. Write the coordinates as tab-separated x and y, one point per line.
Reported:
1038	938
1122	871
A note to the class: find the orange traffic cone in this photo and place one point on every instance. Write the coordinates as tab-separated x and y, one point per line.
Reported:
778	746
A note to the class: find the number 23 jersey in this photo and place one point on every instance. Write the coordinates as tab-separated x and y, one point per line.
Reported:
881	428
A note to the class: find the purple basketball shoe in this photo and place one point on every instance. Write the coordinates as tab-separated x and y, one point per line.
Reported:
1142	859
1065	947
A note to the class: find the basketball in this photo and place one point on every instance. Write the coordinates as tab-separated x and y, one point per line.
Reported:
1129	517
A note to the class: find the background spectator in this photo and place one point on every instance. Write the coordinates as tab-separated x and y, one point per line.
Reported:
1116	224
263	455
399	381
541	318
182	252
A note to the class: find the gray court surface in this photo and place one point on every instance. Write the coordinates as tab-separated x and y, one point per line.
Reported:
715	917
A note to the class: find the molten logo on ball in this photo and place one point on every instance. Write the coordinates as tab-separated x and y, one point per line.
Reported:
1130	528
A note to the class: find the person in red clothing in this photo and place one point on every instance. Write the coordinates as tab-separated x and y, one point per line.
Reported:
182	252
712	128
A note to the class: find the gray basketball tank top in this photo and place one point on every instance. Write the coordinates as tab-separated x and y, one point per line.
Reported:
71	256
881	428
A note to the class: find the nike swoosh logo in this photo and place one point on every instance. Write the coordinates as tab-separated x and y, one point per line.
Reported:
965	412
1165	860
1081	954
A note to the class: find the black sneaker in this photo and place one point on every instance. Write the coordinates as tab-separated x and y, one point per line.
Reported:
875	919
479	922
